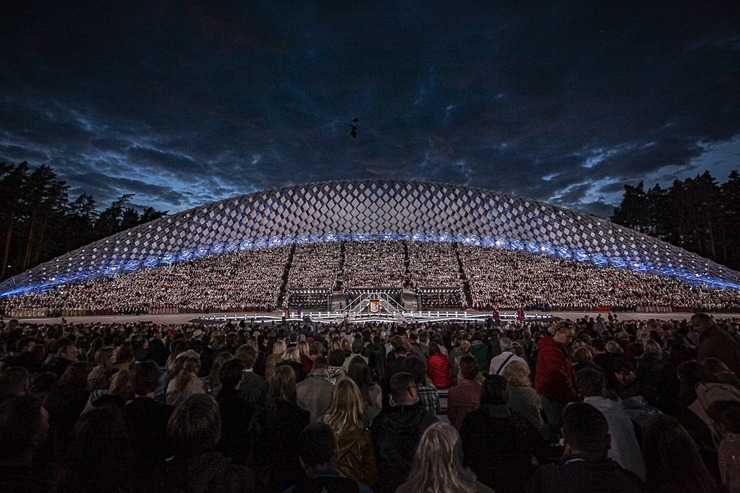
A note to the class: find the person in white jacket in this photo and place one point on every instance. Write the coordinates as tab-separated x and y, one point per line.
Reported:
625	449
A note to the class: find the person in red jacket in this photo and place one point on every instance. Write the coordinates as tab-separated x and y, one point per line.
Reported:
555	380
438	368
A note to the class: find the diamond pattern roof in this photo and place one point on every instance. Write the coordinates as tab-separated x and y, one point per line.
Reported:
354	210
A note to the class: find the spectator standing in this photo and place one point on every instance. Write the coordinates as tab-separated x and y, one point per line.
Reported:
236	414
372	395
624	447
672	460
465	396
555	380
498	443
715	342
24	425
253	387
438	465
522	398
355	454
317	452
100	375
65	356
498	363
195	429
726	415
314	393
100	459
146	423
585	465
438	368
185	381
278	348
284	420
428	395
396	432
357	347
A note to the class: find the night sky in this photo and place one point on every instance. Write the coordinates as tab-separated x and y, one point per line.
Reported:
184	103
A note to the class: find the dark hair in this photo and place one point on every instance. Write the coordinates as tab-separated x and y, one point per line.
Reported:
60	345
672	460
44	382
195	425
99	457
399	385
359	372
586	430
468	367
494	387
376	361
231	373
726	414
590	382
20	424
316	444
434	349
145	378
125	353
397	342
14	380
75	376
598	344
336	357
416	367
322	362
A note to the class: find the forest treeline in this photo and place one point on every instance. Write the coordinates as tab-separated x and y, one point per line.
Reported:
697	214
38	221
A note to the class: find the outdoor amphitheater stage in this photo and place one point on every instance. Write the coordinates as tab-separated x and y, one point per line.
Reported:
436	316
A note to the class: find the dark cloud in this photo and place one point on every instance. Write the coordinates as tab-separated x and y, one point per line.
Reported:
184	103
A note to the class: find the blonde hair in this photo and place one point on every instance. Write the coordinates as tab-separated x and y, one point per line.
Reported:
292	354
278	347
438	463
652	347
336	344
346	407
186	367
614	347
120	383
303	348
516	374
282	384
465	346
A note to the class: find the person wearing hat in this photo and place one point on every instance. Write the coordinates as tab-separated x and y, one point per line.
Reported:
498	363
357	346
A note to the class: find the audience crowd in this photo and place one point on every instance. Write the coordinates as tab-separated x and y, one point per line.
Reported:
593	404
510	279
373	263
314	265
473	277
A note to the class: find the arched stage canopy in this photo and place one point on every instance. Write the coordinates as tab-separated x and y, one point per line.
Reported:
370	209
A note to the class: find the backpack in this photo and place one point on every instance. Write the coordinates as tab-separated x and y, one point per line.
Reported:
706	394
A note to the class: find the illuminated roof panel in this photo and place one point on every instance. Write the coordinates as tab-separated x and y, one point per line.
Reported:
350	210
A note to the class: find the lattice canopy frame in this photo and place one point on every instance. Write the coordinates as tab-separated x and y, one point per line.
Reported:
360	210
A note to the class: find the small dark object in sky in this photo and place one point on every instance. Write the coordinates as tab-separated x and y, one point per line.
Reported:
353	125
